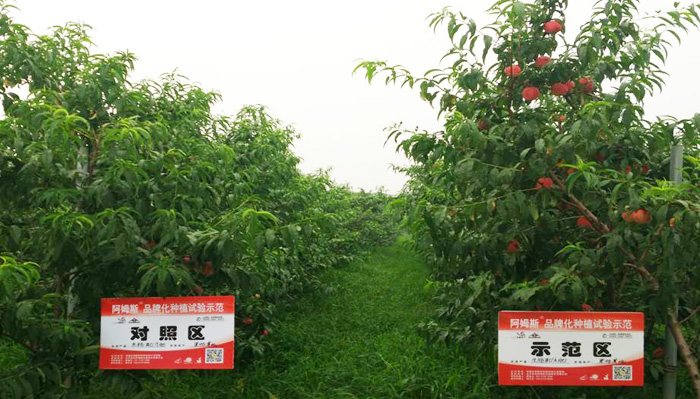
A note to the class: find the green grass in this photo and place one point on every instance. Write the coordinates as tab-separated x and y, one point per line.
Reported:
358	340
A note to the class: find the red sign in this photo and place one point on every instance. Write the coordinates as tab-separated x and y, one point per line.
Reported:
571	348
167	333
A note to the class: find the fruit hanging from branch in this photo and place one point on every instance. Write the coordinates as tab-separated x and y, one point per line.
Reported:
658	352
542	61
588	125
544	182
531	93
641	216
512	71
513	246
552	27
208	269
584	223
587	84
560	89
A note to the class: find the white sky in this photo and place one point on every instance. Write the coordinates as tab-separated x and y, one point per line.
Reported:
297	57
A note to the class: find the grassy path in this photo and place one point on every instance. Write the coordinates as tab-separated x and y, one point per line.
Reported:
358	340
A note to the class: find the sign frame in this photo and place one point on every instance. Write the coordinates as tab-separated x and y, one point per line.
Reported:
196	332
540	348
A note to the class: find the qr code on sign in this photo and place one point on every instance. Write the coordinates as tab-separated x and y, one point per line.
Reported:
622	373
214	355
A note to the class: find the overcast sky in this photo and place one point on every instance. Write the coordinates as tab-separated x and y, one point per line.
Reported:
296	58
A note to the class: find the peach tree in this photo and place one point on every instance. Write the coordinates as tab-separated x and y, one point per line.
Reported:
112	188
548	187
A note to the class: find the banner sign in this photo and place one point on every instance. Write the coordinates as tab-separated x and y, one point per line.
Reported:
571	348
167	333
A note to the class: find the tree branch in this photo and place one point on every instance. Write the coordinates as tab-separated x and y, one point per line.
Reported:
645	274
685	351
583	209
690	315
646	251
673	323
25	345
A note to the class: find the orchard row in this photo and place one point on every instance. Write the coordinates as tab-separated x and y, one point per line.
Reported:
562	203
115	188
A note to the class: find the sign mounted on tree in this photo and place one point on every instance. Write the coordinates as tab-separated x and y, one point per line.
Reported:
571	348
167	333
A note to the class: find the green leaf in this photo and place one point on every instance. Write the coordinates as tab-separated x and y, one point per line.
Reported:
540	146
534	212
88	350
488	40
270	236
518	9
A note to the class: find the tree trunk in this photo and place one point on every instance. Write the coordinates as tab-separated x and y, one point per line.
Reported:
685	351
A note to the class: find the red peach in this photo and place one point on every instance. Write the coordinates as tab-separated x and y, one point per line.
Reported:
658	352
531	93
552	26
513	246
587	83
208	269
542	60
560	89
641	216
543	182
584	223
627	217
512	71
